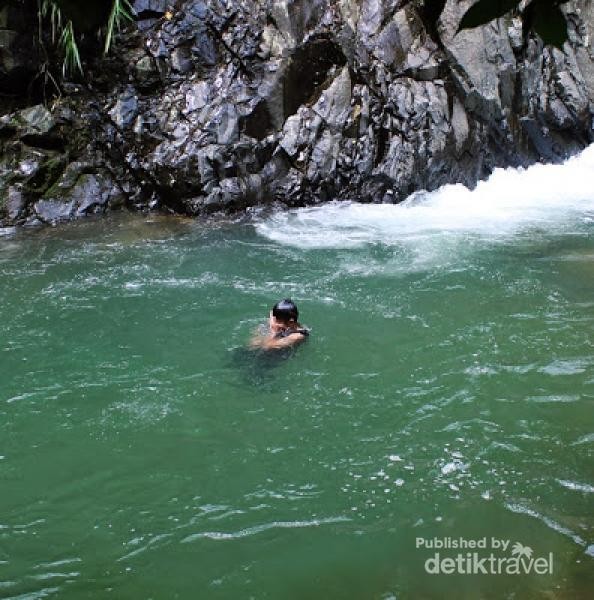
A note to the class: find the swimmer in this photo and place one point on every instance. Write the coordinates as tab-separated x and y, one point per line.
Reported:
283	328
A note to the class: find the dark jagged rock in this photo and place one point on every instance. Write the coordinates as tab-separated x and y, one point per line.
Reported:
125	109
218	106
77	194
53	211
36	120
16	202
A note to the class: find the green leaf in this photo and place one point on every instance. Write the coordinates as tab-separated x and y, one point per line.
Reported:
484	11
120	11
70	48
548	21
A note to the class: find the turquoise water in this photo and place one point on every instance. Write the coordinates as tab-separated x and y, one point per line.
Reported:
447	390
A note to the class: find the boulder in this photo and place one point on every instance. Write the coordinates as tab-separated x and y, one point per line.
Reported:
53	211
37	120
78	193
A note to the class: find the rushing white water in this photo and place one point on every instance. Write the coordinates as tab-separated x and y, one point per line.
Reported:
509	202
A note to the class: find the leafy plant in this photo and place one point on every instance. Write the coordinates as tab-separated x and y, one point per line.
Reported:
70	49
69	20
49	7
542	17
120	12
484	11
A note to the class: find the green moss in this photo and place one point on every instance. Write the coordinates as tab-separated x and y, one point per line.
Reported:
48	176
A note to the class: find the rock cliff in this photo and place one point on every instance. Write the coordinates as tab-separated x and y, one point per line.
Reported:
211	105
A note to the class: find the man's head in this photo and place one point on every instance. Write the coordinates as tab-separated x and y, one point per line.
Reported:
285	311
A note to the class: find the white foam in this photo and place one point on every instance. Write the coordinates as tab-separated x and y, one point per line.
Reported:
221	535
510	201
524	510
578	487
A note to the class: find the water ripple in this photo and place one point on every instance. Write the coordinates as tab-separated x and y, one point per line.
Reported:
524	510
220	535
578	487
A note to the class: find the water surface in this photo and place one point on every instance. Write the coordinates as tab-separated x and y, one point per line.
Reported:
447	390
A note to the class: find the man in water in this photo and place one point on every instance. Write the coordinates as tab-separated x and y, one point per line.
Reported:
284	330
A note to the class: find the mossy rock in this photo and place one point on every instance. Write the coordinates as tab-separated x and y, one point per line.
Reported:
67	179
78	193
3	207
47	176
35	120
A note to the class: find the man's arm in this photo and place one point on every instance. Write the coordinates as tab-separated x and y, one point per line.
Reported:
284	342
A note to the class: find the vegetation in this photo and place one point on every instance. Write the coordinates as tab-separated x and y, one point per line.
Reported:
70	49
120	12
542	17
69	21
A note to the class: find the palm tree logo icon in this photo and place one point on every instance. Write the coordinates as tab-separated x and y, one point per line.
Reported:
520	550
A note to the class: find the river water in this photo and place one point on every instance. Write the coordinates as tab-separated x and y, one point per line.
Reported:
446	394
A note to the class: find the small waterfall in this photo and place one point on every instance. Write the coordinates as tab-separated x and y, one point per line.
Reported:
511	201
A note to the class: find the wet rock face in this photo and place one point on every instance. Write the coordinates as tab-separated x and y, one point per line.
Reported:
38	181
220	105
87	194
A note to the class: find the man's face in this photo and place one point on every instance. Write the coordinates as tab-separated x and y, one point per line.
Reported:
277	323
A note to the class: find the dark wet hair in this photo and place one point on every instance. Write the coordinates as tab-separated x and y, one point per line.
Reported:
285	310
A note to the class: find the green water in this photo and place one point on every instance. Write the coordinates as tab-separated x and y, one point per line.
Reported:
144	453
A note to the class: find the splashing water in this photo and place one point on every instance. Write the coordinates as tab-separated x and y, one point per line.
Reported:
511	201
